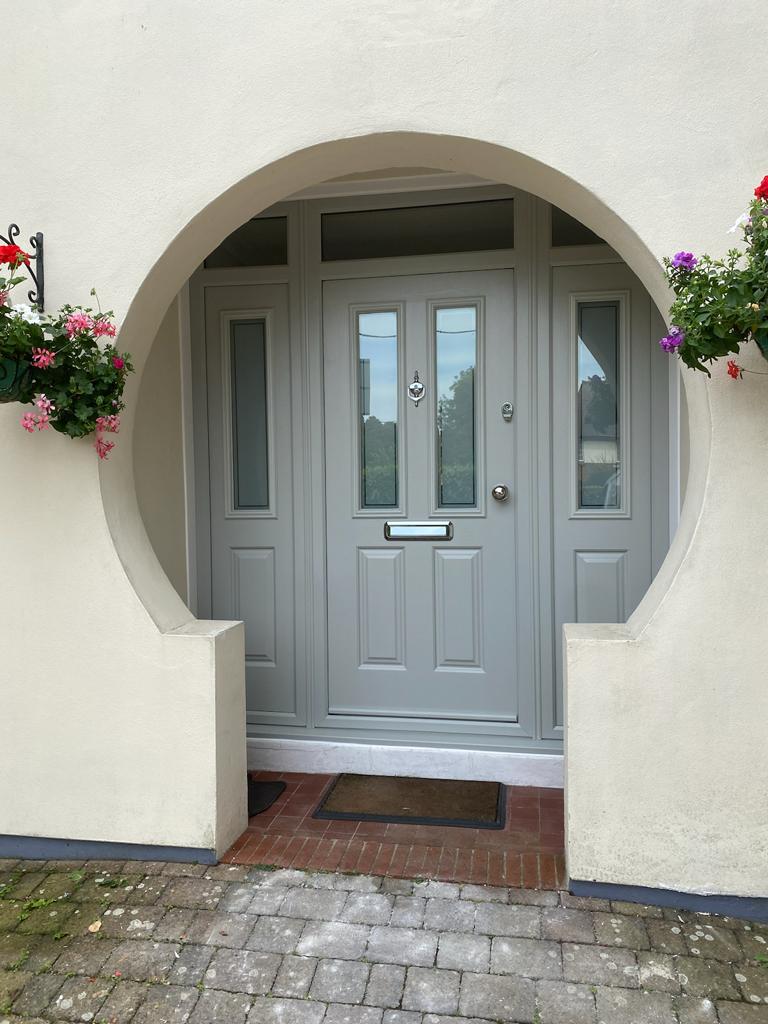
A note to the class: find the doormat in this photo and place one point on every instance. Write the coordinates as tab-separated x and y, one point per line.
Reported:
409	801
262	795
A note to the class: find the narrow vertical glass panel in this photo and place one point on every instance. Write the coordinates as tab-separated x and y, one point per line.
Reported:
377	382
456	360
599	452
248	362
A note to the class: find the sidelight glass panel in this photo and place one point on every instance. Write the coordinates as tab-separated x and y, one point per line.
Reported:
599	443
377	382
456	361
248	362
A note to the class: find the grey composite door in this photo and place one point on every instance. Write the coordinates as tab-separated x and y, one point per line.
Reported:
422	629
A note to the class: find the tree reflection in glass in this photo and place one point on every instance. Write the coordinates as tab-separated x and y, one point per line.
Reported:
377	348
455	359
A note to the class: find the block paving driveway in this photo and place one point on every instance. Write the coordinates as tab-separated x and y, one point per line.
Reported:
150	943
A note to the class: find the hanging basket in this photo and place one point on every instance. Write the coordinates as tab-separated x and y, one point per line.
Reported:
14	373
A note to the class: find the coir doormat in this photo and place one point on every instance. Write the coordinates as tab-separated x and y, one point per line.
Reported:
409	801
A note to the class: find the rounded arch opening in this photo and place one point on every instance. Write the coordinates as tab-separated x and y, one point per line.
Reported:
331	159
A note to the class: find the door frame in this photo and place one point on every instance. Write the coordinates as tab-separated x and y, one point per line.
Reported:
532	261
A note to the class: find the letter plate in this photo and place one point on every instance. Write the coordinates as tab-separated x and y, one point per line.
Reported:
407	529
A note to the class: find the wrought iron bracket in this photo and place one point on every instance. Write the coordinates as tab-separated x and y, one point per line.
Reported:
35	295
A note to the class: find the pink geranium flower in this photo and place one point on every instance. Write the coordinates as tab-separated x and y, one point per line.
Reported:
102	328
28	422
42	358
77	322
4	293
103	448
43	422
109	424
118	362
45	405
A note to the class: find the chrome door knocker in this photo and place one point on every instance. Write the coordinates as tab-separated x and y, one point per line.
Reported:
416	389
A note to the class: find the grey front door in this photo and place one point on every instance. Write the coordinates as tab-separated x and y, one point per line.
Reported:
423	629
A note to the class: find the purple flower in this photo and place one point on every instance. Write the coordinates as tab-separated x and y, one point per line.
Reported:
672	341
684	261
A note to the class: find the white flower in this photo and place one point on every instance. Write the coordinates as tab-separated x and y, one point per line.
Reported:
25	312
741	219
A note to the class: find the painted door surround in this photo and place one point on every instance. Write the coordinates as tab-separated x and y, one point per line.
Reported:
536	268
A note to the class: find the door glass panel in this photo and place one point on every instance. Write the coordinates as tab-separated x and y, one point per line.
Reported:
599	451
455	361
377	375
248	362
261	242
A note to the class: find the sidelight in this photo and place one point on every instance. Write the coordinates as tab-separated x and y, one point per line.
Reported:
250	453
598	406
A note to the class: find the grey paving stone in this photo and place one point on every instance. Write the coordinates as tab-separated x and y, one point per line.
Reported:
712	942
385	985
237	899
285	1011
9	914
268	901
357	883
430	990
742	1013
408	911
615	930
123	1002
567	925
217	1007
367	908
410	1017
171	1004
141	960
753	942
57	885
80	999
227	872
340	1014
636	909
707	978
534	897
598	965
485	894
192	893
666	937
145	893
15	949
84	955
658	972
530	958
174	925
494	919
46	920
11	984
185	870
294	977
242	970
408	946
320	880
583	902
313	904
439	1018
340	981
496	998
126	922
334	939
41	952
450	915
694	1010
753	982
37	994
275	935
562	1002
213	928
632	1006
285	877
437	890
397	886
459	952
144	867
25	886
190	965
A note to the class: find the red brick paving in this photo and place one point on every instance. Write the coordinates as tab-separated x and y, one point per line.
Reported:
528	852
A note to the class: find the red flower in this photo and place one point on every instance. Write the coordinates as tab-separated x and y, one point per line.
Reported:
13	255
762	189
734	370
118	362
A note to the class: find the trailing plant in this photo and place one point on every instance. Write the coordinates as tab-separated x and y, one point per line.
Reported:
722	304
67	366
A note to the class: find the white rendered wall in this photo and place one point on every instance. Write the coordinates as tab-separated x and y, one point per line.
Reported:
185	118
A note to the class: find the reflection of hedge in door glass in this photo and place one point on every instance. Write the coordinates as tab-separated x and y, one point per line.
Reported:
379	463
456	441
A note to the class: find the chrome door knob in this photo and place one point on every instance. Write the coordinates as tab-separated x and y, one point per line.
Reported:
500	492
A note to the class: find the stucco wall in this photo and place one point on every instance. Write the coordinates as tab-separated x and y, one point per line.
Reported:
177	121
158	456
